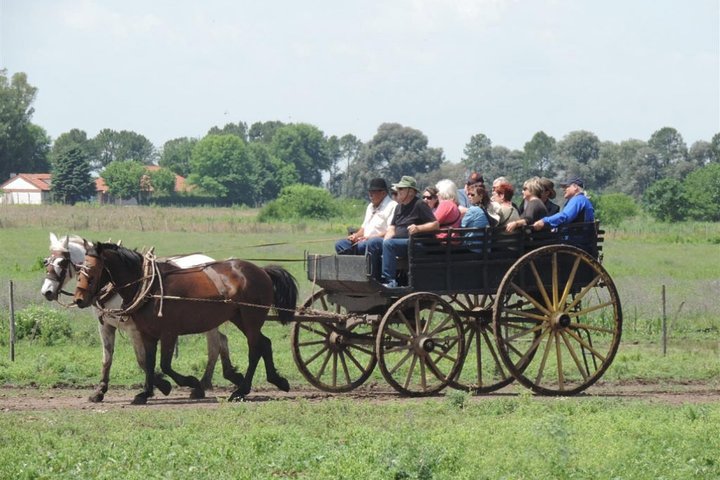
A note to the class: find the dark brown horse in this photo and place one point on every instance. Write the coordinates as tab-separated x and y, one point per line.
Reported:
165	302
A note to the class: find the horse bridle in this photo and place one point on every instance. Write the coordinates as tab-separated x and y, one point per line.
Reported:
64	265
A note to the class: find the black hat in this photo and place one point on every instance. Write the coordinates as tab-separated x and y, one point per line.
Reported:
378	184
573	180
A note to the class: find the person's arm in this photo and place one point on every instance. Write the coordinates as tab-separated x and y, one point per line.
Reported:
566	215
424	228
390	232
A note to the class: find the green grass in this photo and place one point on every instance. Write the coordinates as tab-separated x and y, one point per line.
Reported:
456	436
519	438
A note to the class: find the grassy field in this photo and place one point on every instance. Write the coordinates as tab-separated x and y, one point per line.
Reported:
455	436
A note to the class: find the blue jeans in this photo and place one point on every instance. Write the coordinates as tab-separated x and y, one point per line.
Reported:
383	255
345	247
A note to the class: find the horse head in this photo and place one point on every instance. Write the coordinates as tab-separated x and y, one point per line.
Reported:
107	263
58	267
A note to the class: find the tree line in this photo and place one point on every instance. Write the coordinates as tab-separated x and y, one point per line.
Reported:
241	163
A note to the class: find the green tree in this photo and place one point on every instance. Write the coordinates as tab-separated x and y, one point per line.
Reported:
478	153
540	155
71	180
112	146
263	131
702	189
176	155
701	153
671	152
222	166
300	202
305	147
715	145
272	173
239	129
612	208
162	181
24	146
342	151
124	178
665	200
70	139
394	151
577	153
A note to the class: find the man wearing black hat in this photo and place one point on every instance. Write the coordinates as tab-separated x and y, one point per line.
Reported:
577	207
378	214
411	217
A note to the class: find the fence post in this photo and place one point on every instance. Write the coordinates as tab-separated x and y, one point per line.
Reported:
12	324
664	323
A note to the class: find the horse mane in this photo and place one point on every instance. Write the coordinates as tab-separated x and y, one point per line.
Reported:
129	258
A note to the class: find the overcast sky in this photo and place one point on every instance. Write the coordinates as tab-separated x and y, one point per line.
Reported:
450	68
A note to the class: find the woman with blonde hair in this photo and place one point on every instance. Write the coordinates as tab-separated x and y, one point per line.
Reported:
535	208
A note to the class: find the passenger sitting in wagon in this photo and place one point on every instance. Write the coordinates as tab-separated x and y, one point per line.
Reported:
577	209
412	217
477	216
378	214
534	208
447	212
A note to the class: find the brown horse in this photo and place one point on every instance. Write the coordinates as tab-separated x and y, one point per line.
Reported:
165	302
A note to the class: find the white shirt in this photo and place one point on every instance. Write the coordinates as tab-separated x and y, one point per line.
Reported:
377	219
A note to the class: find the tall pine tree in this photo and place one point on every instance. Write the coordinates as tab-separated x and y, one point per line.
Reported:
71	180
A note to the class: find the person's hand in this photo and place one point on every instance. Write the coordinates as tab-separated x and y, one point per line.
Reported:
412	229
510	227
539	225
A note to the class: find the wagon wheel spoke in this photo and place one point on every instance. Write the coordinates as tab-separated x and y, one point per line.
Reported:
530	299
410	372
561	375
354	360
541	369
401	362
539	284
570	281
313	330
491	348
315	356
585	326
346	371
361	349
574	356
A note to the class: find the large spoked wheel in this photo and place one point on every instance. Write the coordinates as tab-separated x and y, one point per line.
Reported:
420	344
334	357
557	320
482	370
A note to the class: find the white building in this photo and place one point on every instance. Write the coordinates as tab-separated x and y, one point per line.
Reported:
27	188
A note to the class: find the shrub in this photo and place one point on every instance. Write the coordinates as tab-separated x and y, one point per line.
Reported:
702	188
298	202
44	323
613	208
664	200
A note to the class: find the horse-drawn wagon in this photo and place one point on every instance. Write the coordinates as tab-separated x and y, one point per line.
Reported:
481	308
478	312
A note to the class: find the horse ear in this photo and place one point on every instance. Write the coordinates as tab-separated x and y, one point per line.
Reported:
53	239
66	242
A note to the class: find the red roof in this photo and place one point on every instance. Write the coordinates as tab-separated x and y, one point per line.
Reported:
39	180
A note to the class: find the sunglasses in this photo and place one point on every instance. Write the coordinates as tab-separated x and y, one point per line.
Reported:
471	194
427	197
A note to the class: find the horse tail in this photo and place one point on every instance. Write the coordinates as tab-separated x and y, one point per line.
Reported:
285	292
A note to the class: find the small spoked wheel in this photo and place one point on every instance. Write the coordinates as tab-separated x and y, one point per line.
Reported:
557	320
334	357
482	370
420	344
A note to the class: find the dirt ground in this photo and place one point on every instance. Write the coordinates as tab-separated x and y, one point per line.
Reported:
38	399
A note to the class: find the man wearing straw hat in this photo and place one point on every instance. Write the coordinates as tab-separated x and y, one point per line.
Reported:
411	217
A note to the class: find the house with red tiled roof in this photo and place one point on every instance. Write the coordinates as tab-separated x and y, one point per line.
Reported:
34	188
26	188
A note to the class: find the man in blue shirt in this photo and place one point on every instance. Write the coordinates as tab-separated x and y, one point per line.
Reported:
577	207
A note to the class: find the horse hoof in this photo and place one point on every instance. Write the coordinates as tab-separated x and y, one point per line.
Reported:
236	396
164	386
281	383
97	397
197	393
140	399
